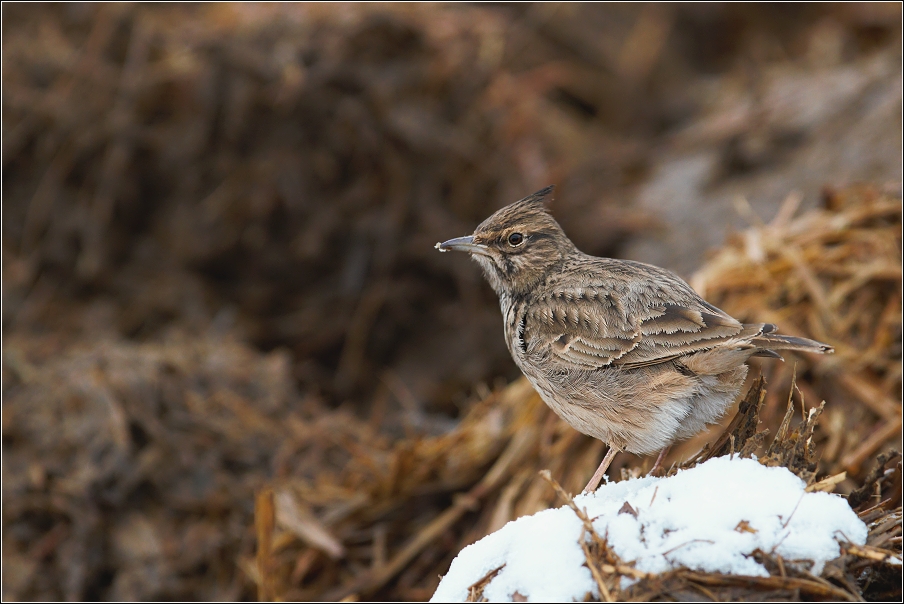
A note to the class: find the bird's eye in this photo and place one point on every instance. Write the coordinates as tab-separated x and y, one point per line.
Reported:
515	239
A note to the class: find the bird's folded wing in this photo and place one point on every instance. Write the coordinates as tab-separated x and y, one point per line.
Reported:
590	328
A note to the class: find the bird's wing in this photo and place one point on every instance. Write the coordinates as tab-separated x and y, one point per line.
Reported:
590	328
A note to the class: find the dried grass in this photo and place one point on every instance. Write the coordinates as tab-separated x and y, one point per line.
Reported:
835	275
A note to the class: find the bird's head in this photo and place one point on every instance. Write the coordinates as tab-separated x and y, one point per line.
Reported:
517	246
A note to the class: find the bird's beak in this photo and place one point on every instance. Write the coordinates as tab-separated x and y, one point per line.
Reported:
463	244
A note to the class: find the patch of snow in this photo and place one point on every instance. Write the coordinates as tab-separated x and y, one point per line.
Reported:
708	518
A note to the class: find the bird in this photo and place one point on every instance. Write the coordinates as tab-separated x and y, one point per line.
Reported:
623	351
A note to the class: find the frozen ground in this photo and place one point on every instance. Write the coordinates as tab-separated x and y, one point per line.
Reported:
708	518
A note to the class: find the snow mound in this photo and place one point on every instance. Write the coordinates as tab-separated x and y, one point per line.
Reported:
709	518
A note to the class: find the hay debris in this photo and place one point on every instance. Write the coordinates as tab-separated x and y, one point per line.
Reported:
833	273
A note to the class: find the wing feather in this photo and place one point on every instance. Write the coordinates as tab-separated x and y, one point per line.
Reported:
590	328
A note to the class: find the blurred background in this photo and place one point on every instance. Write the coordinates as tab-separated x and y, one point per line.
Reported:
218	266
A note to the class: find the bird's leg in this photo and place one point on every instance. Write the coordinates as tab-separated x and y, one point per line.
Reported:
658	465
598	475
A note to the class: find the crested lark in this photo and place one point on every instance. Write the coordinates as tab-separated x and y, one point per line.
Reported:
623	351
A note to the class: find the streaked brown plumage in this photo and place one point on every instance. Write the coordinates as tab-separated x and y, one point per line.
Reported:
623	351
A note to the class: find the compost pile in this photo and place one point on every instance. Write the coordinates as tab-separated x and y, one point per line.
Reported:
233	364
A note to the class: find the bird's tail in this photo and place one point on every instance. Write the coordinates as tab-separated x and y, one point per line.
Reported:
768	342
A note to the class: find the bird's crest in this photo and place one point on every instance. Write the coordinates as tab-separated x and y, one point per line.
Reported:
530	206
